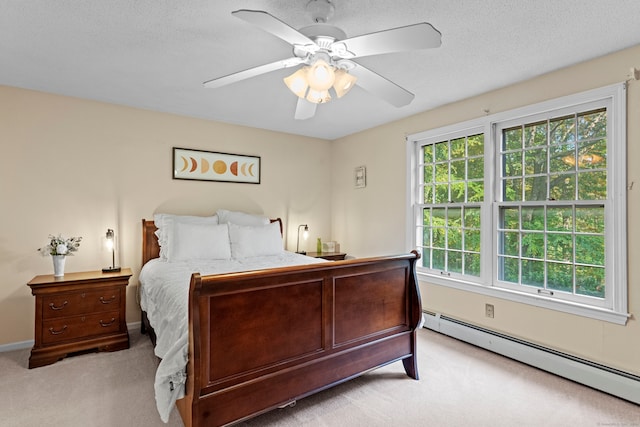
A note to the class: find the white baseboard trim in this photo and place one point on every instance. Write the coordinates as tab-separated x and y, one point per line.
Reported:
134	326
29	343
600	377
16	346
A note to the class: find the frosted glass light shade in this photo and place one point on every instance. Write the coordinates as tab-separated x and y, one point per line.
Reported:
297	82
320	76
313	82
343	82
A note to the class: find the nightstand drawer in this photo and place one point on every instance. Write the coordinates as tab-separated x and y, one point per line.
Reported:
71	304
68	328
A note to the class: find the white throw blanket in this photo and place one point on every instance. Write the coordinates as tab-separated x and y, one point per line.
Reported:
164	296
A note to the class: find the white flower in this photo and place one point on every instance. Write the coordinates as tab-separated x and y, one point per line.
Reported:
61	246
44	251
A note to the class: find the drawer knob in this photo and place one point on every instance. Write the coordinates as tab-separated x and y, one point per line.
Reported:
54	307
107	301
61	331
109	323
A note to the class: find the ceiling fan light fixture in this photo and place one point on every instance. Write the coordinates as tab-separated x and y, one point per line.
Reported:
321	75
322	50
343	82
297	82
318	96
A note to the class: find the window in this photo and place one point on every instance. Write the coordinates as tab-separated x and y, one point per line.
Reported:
553	188
528	205
452	186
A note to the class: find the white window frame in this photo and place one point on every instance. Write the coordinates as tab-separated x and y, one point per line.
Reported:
615	308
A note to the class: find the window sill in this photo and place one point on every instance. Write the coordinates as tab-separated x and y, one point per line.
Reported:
618	318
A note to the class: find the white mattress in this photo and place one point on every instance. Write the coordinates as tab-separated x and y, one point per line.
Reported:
164	292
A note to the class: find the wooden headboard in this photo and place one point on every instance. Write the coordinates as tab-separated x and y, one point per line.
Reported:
150	247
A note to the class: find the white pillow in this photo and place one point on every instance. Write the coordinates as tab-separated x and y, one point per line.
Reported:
241	218
166	225
248	241
200	241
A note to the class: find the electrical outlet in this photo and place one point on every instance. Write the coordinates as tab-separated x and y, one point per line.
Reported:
488	310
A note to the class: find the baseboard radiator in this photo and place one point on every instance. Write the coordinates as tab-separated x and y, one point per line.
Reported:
597	376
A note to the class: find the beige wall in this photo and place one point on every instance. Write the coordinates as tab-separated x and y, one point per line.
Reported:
78	167
372	221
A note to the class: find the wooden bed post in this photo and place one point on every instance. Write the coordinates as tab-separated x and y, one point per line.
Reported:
411	363
186	404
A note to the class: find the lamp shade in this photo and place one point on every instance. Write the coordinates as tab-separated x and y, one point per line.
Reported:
321	76
297	82
110	242
304	235
313	82
343	82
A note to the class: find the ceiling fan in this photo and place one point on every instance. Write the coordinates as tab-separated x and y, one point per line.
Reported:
326	57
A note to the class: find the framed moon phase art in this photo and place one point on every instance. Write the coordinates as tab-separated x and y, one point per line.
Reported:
213	166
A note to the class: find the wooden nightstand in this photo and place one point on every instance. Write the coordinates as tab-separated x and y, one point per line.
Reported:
331	256
79	312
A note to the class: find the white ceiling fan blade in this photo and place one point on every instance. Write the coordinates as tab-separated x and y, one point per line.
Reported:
381	87
273	25
305	109
253	72
401	39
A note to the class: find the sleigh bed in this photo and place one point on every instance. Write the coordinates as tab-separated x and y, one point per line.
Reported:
261	339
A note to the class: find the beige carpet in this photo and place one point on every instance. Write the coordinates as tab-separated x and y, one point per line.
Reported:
460	385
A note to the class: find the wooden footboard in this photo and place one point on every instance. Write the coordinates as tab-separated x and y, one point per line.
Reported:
260	340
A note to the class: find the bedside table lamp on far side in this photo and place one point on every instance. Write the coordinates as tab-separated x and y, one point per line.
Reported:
111	245
305	235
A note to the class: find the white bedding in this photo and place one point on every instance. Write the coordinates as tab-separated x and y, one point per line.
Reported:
164	295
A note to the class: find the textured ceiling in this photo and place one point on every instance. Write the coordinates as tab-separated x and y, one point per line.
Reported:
155	54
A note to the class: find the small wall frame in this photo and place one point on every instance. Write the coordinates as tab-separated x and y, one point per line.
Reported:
202	165
360	177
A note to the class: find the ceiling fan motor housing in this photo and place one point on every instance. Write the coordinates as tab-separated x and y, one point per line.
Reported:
321	10
320	32
326	38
